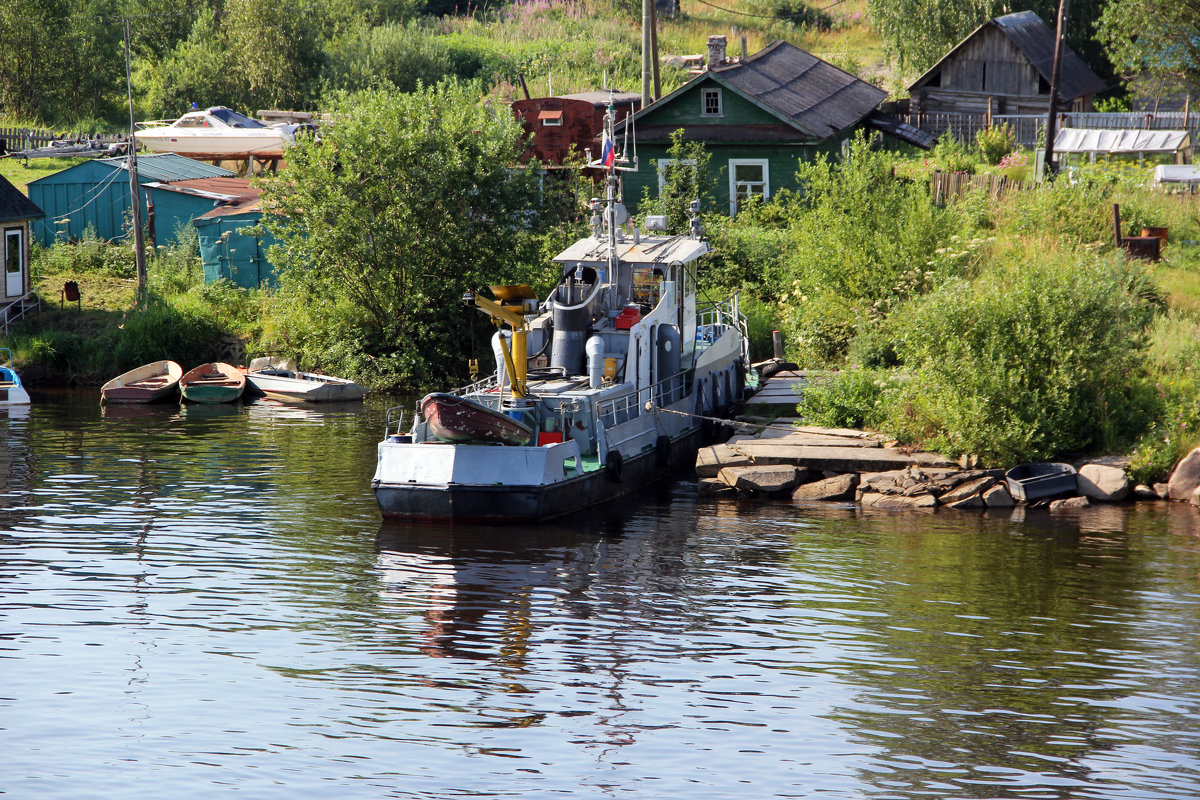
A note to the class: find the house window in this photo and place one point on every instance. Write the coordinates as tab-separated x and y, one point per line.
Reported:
748	177
710	103
667	166
550	119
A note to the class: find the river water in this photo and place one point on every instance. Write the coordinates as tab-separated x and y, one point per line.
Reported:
204	601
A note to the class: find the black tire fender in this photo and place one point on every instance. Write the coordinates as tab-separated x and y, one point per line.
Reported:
614	465
662	451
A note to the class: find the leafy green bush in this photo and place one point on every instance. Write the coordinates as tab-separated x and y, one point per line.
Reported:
818	328
851	398
1039	357
995	142
801	14
90	255
950	155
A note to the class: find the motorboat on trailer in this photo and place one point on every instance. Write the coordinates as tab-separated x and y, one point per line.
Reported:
217	133
609	381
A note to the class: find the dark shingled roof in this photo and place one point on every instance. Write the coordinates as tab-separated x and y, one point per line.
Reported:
14	205
1035	39
816	96
804	92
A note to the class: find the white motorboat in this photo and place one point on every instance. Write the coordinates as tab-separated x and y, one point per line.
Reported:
613	379
217	132
280	381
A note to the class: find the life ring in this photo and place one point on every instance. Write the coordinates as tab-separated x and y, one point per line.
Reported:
614	465
662	451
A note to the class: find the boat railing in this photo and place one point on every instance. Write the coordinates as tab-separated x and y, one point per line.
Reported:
713	319
629	405
395	428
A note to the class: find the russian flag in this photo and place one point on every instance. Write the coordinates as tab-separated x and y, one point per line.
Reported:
608	153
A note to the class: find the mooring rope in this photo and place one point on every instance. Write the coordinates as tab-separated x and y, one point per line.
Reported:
737	423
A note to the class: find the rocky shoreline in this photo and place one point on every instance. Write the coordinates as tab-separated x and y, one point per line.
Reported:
811	465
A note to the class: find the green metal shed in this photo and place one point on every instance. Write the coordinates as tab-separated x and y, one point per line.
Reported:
173	206
228	250
96	194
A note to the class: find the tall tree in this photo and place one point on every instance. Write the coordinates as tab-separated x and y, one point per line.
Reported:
405	201
1154	42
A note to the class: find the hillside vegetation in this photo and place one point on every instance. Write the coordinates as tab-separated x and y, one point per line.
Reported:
1002	329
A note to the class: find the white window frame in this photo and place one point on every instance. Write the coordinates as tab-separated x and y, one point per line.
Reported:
734	163
704	95
664	162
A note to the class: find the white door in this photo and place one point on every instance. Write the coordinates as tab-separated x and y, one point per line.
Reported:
14	262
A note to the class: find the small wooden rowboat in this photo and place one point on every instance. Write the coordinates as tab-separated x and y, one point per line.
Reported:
215	382
144	384
455	419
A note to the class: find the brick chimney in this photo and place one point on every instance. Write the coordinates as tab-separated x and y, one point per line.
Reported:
716	51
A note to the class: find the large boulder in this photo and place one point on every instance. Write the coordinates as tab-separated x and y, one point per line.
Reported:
1069	503
1185	478
898	502
838	487
759	480
967	492
998	497
1102	482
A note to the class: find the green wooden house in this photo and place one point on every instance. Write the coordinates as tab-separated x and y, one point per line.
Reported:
758	117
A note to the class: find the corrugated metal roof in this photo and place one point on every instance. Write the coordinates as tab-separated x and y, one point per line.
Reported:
816	96
170	167
223	189
14	205
1087	140
1035	40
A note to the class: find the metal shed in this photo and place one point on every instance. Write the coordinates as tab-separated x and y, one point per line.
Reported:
96	194
229	250
174	206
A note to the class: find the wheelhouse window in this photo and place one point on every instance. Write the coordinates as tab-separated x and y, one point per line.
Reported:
550	119
748	178
710	103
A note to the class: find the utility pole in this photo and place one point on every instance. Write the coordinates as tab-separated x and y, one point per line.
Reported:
647	46
1052	118
139	246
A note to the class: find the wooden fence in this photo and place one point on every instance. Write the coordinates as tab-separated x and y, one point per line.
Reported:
946	186
29	138
1030	129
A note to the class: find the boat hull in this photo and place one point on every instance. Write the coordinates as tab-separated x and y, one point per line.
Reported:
473	503
307	389
455	419
212	383
145	384
212	146
12	393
